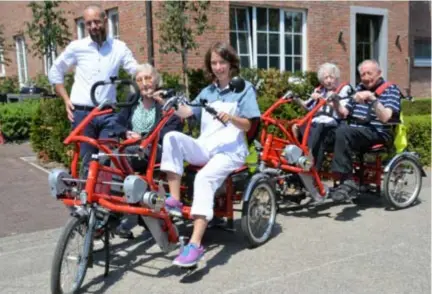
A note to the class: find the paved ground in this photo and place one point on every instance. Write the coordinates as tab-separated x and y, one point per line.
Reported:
339	249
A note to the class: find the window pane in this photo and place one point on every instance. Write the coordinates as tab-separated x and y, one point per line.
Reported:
241	19
297	64
288	64
243	41
297	44
274	20
262	61
288	22
261	19
244	61
297	21
233	40
232	19
288	44
262	43
274	43
274	62
422	49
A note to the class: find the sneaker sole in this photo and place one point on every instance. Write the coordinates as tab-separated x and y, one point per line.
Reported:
175	213
187	265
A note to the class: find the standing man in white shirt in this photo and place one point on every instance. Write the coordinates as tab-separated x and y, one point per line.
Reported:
96	57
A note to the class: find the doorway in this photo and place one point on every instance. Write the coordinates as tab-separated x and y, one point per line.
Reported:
368	38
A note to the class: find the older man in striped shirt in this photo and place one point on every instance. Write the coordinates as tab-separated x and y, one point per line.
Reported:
368	114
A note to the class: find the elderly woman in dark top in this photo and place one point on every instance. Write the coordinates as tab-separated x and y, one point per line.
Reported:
138	120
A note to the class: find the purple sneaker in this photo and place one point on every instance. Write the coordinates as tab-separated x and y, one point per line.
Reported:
190	256
173	206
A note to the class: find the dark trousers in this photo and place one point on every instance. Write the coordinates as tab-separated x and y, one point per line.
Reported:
321	136
349	140
140	165
98	128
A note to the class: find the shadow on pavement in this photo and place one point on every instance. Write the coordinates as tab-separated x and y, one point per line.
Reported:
215	238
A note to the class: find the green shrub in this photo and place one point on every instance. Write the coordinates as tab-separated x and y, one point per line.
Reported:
418	107
9	85
15	119
49	128
419	136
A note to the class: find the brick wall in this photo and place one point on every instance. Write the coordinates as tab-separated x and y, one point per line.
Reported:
324	21
420	27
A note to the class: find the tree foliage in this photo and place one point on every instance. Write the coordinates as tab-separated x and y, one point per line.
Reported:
181	22
48	29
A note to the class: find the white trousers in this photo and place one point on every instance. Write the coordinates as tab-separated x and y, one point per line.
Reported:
178	147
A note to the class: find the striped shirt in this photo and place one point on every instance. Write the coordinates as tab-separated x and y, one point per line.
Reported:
390	98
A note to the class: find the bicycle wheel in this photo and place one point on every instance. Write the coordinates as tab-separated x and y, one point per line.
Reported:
259	213
65	261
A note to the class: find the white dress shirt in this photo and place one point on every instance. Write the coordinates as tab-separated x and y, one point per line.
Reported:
92	64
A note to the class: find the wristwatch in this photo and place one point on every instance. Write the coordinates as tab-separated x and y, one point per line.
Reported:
373	104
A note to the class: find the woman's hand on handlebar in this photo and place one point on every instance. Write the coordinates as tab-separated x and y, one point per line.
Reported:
224	117
157	96
316	96
132	135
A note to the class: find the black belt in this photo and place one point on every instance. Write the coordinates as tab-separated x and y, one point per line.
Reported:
83	107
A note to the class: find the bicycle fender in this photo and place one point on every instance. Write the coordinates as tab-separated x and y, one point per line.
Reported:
411	155
254	179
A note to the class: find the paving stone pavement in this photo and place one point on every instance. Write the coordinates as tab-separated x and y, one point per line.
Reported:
337	249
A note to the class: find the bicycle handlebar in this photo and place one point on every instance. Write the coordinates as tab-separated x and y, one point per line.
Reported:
114	81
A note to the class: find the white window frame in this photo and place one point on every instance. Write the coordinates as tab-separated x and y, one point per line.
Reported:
111	13
2	65
20	39
80	26
237	31
46	65
282	55
421	62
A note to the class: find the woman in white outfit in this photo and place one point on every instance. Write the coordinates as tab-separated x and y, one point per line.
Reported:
219	149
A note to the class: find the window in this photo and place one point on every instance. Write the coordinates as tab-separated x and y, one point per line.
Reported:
269	37
422	53
240	35
113	23
81	31
21	59
2	63
47	62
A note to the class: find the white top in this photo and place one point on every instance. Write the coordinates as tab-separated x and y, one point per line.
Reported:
93	64
216	137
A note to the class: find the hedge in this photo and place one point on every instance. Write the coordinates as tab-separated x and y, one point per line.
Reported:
417	107
419	136
15	119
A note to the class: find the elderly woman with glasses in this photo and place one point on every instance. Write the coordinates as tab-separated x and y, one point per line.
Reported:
138	120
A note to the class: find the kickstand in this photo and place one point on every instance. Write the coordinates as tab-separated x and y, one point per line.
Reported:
107	251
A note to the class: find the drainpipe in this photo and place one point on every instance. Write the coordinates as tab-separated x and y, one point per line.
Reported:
149	26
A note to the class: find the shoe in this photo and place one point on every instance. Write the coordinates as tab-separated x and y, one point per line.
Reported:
190	256
173	206
124	234
346	191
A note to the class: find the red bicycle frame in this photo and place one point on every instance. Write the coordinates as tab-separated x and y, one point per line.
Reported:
271	144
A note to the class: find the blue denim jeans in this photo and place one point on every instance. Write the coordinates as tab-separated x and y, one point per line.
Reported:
98	128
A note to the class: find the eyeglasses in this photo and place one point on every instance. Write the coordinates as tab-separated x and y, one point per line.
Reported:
144	79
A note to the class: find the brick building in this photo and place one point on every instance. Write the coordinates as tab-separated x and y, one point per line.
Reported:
289	35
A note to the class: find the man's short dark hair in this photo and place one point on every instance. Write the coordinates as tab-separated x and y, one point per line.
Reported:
96	6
